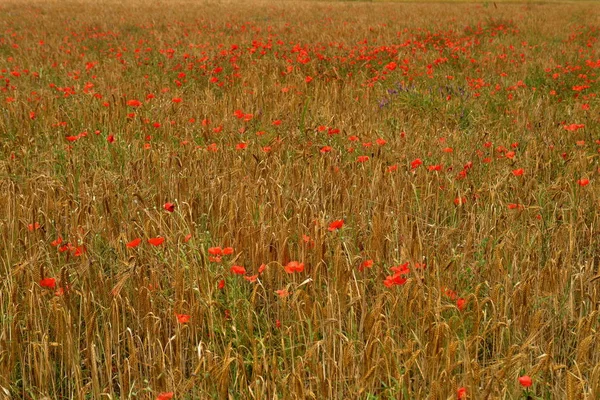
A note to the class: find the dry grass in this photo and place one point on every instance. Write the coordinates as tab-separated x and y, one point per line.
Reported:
511	285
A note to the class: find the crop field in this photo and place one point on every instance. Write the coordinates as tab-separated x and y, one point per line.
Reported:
299	200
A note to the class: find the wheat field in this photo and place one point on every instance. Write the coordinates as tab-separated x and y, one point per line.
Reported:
299	200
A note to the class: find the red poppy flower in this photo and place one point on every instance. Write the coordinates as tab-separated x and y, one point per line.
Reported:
165	396
416	163
78	251
308	241
221	284
450	293
294	266
212	148
461	303
282	293
362	159
215	251
170	207
33	227
574	127
157	241
238	269
461	175
335	225
183	318
365	264
56	242
134	103
251	278
518	172
401	269
583	182
227	251
525	381
461	393
49	283
459	201
394	280
134	243
187	237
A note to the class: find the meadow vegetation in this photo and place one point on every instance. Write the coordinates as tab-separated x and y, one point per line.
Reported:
299	200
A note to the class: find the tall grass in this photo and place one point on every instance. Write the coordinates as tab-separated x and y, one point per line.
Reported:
456	147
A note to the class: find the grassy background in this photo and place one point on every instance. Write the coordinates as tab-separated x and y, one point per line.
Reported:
252	119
